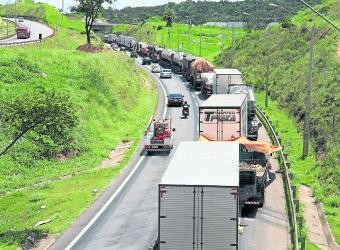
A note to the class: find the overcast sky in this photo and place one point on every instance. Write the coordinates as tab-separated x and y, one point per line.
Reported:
119	4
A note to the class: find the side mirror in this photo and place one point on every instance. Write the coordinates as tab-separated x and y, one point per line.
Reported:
259	124
173	129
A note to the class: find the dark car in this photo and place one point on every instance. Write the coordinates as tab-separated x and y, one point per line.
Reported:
146	60
133	54
175	99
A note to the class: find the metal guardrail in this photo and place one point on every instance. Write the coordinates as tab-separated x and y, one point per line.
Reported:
284	165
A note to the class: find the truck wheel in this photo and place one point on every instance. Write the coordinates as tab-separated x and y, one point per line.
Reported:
262	199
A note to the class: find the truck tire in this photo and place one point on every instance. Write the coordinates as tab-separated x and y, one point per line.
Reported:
262	198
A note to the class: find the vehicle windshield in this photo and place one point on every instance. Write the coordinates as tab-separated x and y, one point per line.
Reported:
166	70
175	95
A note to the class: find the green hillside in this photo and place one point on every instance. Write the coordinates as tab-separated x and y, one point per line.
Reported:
182	37
210	11
113	99
287	51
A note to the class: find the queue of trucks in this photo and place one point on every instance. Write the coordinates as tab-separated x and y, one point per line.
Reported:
201	196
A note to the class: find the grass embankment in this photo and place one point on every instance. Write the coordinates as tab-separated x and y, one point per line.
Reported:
287	51
183	38
6	29
114	99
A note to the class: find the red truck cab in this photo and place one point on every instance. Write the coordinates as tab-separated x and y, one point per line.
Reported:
23	32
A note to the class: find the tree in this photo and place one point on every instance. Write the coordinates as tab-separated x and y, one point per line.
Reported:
90	8
43	116
169	17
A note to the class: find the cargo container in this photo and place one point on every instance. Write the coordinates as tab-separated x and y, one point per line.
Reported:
223	117
224	77
198	198
253	123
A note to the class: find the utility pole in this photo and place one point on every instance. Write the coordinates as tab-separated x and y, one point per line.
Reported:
163	38
232	37
178	41
62	10
169	36
267	71
267	84
15	11
190	33
200	40
308	105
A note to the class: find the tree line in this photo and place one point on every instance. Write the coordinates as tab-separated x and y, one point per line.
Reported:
204	11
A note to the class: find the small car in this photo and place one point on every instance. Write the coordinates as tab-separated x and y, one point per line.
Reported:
146	60
175	99
156	68
133	54
166	73
20	19
114	46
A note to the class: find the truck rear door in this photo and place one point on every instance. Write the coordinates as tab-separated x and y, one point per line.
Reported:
198	217
220	124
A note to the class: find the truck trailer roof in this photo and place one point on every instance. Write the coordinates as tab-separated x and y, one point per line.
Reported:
231	100
204	164
227	72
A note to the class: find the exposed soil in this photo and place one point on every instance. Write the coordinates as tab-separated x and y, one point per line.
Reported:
45	243
90	48
116	155
311	217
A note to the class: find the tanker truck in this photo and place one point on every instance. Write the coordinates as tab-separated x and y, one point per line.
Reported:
166	58
177	62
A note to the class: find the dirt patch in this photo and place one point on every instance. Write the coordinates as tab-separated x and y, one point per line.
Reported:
90	48
311	217
116	155
45	243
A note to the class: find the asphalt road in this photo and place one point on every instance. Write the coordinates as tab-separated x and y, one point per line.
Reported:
35	28
130	220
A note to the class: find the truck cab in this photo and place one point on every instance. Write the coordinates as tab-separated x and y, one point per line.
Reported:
253	178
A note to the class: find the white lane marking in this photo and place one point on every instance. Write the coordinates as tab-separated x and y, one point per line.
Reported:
196	104
165	103
101	211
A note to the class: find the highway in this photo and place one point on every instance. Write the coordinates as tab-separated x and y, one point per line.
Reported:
125	216
35	28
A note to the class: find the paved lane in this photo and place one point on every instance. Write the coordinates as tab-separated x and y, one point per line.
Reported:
35	27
